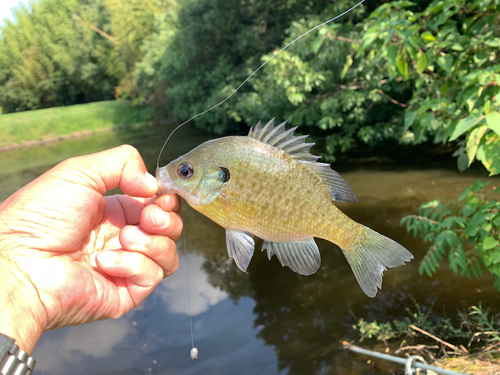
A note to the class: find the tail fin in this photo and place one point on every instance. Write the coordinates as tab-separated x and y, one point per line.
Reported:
370	255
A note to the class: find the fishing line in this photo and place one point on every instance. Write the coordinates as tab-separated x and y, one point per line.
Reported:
194	351
251	75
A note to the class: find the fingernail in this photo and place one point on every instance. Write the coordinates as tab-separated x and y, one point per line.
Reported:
135	236
159	217
107	257
151	181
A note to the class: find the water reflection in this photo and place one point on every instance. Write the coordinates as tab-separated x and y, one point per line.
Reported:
202	293
155	338
79	347
270	320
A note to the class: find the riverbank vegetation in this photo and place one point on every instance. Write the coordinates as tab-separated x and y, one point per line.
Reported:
467	341
45	124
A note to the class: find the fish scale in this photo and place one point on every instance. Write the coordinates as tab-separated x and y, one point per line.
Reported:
259	207
268	184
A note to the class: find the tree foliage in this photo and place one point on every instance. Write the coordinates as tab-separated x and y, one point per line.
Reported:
216	45
60	52
310	84
467	231
449	53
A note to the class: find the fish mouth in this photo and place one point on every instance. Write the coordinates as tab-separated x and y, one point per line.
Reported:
165	183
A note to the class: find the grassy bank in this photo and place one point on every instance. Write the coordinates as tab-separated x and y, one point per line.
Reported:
18	128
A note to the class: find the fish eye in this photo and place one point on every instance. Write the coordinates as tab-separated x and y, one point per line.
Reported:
224	174
185	170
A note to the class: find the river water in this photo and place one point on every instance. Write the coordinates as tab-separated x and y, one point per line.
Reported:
271	320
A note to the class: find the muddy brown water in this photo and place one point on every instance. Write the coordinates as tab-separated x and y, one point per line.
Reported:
271	320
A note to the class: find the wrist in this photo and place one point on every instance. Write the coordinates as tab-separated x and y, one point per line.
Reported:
22	315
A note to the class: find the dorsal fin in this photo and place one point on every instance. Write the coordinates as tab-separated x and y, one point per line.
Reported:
284	140
297	148
340	190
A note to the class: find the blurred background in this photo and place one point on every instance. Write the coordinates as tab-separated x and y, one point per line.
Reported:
402	98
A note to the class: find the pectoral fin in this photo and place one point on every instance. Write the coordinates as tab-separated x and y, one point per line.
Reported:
240	247
301	256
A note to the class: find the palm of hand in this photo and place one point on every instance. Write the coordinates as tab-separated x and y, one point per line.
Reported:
53	240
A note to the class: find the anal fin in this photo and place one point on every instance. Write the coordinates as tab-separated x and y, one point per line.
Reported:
301	256
240	247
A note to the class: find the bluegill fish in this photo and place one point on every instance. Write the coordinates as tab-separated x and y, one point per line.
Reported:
268	185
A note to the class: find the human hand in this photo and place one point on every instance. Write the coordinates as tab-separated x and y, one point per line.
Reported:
55	227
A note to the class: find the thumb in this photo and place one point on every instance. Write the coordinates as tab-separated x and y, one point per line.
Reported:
121	167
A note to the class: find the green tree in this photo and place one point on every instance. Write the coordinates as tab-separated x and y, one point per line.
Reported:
133	23
59	52
216	45
311	84
47	58
449	54
147	86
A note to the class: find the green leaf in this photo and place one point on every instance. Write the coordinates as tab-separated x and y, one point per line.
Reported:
457	47
464	125
480	58
347	65
463	162
493	121
428	37
478	218
473	142
471	230
495	42
478	185
490	243
368	38
468	96
391	54
445	62
427	119
317	43
402	65
495	257
496	221
409	119
487	106
488	154
422	62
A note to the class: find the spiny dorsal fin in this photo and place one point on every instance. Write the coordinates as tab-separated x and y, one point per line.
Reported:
284	140
297	148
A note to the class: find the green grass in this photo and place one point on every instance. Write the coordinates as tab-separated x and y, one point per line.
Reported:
46	123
